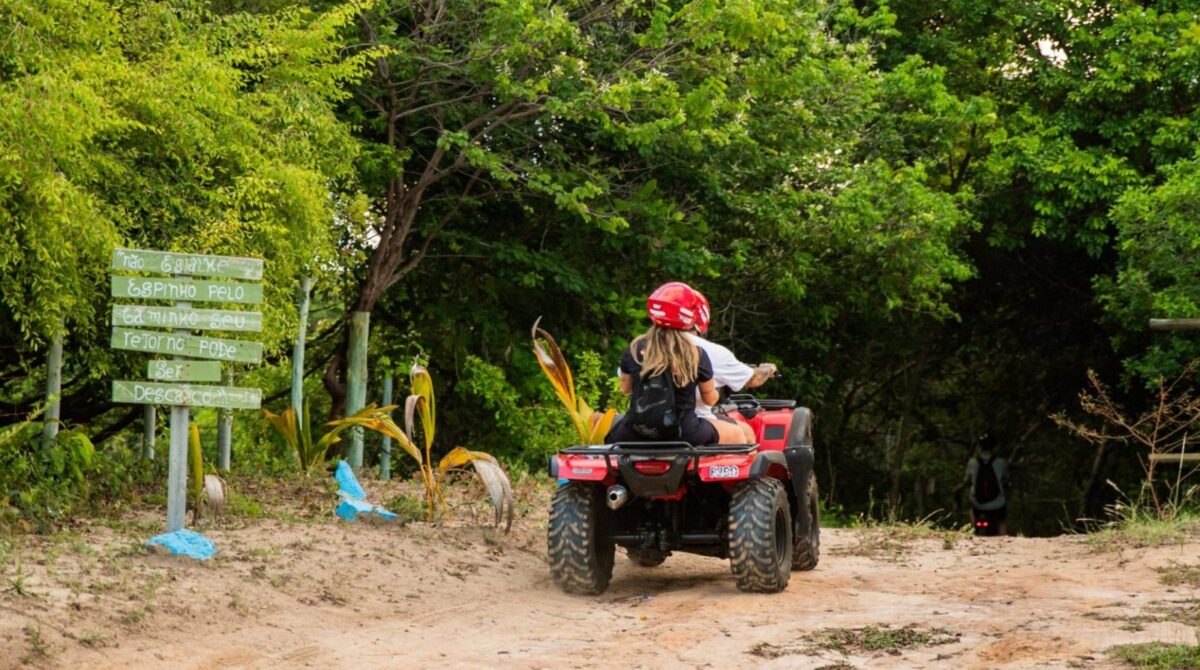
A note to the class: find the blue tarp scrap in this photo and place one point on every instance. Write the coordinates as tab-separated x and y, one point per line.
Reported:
353	497
185	543
348	510
347	482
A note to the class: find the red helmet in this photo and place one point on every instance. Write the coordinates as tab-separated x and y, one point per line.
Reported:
675	305
703	313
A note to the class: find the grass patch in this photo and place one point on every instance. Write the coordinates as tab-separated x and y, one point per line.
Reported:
1158	655
880	638
39	649
848	641
1142	529
1185	612
408	507
893	541
1178	574
239	505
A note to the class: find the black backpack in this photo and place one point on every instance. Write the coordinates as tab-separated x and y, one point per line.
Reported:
987	484
652	414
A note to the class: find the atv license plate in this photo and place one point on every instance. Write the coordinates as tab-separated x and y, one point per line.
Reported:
723	471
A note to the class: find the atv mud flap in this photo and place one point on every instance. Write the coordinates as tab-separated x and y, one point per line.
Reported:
800	465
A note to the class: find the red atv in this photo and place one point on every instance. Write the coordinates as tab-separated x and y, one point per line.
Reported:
755	504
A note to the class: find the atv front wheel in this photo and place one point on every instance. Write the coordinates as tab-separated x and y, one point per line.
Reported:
648	558
760	536
806	550
580	554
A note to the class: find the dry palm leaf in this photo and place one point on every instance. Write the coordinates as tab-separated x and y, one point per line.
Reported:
214	494
554	364
489	472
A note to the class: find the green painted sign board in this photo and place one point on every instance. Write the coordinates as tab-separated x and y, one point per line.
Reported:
157	393
166	262
184	371
194	346
150	316
192	290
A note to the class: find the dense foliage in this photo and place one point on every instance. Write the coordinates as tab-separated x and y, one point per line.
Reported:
936	217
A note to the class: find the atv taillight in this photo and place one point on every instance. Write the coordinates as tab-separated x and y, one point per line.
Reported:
652	467
981	524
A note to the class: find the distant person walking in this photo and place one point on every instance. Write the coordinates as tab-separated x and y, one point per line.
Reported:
987	475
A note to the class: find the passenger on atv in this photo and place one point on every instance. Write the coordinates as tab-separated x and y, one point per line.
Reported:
665	372
729	374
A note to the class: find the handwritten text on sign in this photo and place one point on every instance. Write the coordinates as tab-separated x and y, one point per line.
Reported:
167	262
186	289
184	371
154	393
186	345
190	319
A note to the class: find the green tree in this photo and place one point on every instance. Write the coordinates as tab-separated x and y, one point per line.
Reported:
159	125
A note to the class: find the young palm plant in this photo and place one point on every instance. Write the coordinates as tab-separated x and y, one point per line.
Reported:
420	405
297	432
554	364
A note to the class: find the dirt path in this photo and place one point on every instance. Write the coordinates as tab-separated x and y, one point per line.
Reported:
327	595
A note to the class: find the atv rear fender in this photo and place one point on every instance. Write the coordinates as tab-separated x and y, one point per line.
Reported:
799	453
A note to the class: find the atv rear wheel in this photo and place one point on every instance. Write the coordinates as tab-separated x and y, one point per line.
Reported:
806	549
760	536
648	558
580	553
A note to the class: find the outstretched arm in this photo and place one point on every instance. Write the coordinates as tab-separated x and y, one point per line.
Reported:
762	372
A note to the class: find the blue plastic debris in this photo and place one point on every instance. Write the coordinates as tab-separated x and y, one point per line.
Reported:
185	543
347	482
348	510
353	497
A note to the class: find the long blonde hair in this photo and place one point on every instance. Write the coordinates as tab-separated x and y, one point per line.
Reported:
668	349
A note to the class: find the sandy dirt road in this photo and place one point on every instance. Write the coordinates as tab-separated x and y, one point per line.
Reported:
321	594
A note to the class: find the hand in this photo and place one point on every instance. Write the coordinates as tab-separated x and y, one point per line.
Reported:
769	370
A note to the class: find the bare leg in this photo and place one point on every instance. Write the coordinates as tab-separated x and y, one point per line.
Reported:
732	433
748	432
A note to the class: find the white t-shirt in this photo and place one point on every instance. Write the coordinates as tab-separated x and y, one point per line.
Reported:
728	371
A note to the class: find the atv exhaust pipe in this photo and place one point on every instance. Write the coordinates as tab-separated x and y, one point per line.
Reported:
617	496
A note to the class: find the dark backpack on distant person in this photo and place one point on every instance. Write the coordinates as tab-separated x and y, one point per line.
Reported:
652	413
987	484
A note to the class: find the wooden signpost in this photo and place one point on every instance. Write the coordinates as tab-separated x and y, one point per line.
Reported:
172	380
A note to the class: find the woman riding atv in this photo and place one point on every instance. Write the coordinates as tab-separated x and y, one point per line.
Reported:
665	371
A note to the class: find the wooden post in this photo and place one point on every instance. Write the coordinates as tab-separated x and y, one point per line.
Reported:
1174	324
149	421
385	446
298	350
53	389
224	431
177	456
1175	457
356	380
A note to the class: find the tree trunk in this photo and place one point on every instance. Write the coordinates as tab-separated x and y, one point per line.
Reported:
356	380
332	379
912	380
